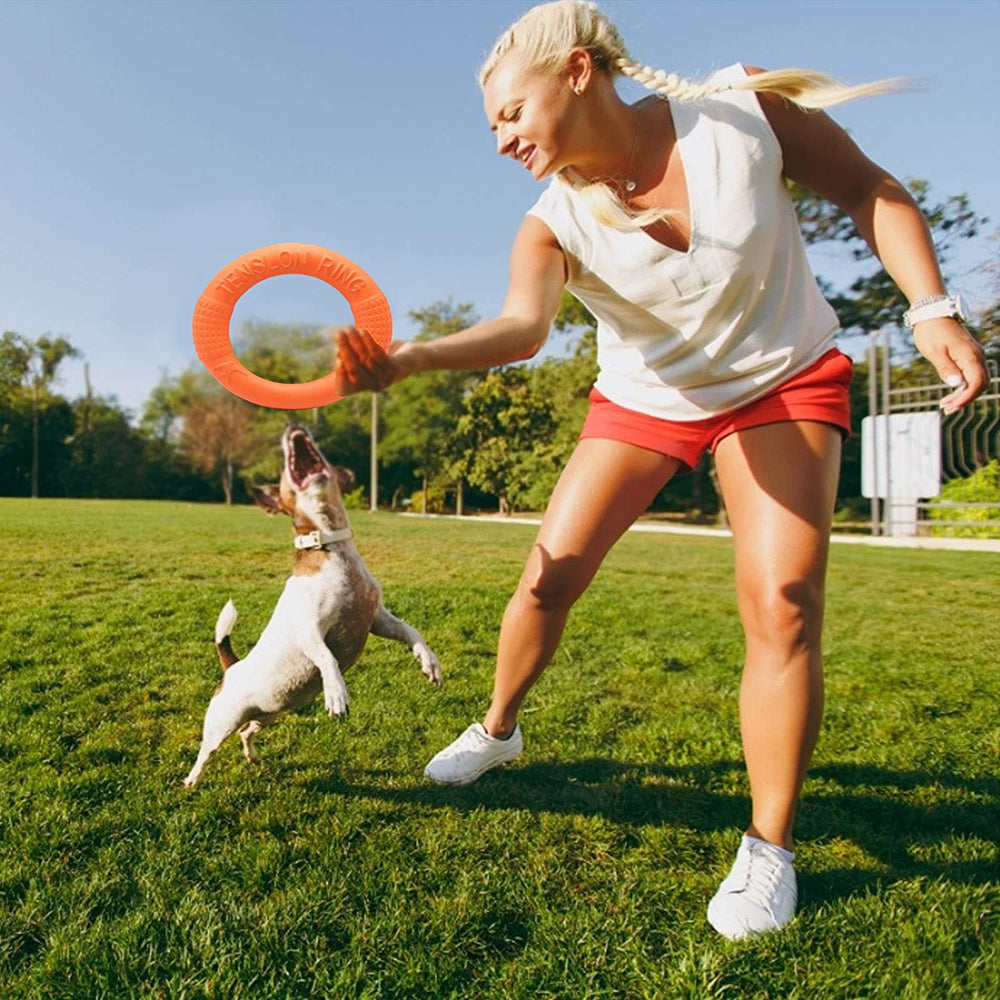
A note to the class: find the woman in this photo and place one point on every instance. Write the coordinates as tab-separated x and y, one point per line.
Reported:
671	220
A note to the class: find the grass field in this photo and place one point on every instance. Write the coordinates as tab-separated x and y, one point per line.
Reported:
581	870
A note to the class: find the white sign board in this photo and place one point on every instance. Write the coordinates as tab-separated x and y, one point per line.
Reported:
914	453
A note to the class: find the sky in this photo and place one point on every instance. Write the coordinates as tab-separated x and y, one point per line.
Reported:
144	145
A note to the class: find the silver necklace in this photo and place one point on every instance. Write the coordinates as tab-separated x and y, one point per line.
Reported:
630	184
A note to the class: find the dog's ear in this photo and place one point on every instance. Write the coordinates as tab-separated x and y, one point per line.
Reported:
268	499
345	478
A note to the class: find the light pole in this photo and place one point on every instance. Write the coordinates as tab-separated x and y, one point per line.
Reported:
374	477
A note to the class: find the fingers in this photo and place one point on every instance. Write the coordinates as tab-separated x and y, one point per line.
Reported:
376	360
347	379
965	372
361	364
349	362
958	358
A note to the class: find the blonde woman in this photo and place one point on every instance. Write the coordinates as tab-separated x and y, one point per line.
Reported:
671	220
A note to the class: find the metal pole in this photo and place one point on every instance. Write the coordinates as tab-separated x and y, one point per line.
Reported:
374	468
887	510
873	410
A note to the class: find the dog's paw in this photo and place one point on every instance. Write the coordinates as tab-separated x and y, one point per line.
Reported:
429	665
337	702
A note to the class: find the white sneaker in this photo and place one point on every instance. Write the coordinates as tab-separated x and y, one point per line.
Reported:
759	893
472	754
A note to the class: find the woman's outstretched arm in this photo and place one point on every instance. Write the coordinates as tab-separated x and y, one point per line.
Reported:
537	276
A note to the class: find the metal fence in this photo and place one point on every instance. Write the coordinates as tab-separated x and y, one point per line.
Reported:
970	439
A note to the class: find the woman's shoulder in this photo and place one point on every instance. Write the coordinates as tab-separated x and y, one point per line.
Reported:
558	197
736	99
737	108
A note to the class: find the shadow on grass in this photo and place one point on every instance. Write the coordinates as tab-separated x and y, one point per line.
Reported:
879	809
627	794
871	806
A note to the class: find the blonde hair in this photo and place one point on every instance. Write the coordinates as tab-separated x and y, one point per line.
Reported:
544	36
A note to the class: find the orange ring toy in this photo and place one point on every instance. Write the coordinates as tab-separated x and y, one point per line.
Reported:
214	310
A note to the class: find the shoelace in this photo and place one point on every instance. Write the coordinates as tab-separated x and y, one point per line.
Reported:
760	873
466	743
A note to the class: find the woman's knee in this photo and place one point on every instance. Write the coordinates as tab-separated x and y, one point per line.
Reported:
786	615
553	583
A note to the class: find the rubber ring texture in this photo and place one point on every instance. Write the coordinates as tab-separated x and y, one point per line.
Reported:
214	310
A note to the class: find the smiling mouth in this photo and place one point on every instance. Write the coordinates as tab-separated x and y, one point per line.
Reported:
526	160
305	463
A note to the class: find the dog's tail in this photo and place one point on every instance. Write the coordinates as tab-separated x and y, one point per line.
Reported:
223	626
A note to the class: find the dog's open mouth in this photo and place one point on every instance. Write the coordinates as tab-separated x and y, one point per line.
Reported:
305	463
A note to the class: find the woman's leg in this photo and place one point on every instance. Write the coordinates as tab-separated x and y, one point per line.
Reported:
779	482
605	486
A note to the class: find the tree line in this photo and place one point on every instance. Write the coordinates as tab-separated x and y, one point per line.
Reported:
447	440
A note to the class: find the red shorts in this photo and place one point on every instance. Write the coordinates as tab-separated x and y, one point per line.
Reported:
819	393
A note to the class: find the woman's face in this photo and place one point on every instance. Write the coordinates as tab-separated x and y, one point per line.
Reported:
530	114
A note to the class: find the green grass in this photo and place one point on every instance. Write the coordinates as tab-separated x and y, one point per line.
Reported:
581	870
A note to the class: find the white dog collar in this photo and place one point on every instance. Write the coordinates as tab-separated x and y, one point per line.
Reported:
320	539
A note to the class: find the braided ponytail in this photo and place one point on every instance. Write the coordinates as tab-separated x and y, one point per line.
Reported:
546	33
806	88
668	84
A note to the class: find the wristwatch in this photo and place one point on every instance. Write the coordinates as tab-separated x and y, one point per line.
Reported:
935	307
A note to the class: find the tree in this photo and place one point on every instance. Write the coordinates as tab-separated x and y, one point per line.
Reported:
988	324
32	366
107	457
421	413
989	331
15	354
222	435
560	385
55	428
502	434
285	352
218	436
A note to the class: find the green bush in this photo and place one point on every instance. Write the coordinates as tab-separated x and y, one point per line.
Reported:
853	509
437	500
983	486
356	499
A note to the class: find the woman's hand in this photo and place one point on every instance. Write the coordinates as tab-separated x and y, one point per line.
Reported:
362	365
957	356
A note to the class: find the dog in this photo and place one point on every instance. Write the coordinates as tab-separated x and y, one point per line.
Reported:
323	617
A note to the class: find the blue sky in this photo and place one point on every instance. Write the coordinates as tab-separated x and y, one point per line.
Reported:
145	145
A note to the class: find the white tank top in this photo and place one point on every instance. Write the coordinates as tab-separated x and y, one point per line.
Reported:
685	336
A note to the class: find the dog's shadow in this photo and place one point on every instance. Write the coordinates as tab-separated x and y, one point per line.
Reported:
875	808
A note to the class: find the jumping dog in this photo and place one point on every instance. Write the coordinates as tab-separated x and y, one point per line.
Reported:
320	625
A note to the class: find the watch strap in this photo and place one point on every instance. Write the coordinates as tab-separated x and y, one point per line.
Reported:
937	308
